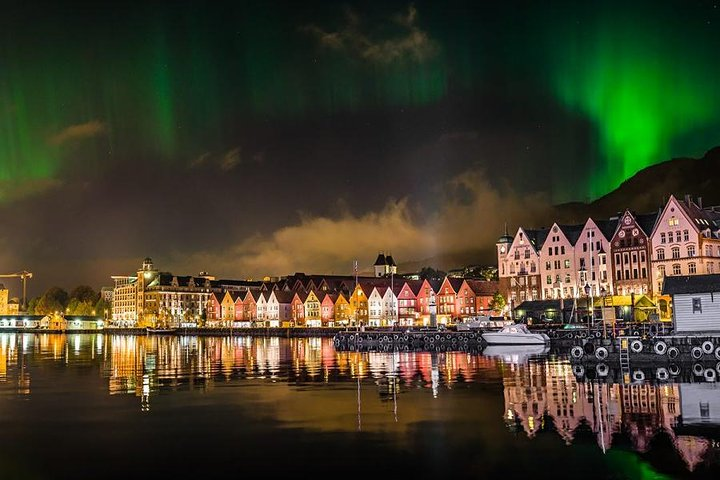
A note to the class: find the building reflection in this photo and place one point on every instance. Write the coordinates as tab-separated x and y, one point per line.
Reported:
371	387
543	393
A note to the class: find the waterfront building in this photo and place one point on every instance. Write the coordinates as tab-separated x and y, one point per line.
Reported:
359	304
327	308
106	294
558	267
250	300
311	305
375	308
518	260
448	311
384	265
630	254
591	252
426	297
214	308
279	308
4	299
298	308
13	306
228	310
475	296
408	312
389	313
341	312
696	302
685	240
124	306
261	306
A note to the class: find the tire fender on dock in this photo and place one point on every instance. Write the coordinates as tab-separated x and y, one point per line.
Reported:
636	346
660	347
576	352
601	353
696	353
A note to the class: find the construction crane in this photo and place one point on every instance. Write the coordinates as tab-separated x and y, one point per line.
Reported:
24	275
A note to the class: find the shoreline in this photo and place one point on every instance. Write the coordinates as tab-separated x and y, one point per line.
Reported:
217	332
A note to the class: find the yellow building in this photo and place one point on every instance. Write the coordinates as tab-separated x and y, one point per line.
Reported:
312	310
4	295
359	305
342	310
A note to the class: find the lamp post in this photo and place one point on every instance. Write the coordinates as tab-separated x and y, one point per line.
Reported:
588	293
603	293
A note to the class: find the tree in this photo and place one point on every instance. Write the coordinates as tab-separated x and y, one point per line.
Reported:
497	304
102	307
429	273
32	304
84	293
55	299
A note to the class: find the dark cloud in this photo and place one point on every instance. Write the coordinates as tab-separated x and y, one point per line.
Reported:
408	42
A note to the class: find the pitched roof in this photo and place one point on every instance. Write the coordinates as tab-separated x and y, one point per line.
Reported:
483	287
646	221
380	260
572	232
414	285
537	236
390	261
284	296
302	295
607	227
691	284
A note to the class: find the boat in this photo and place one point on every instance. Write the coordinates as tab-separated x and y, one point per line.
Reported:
517	354
160	330
515	334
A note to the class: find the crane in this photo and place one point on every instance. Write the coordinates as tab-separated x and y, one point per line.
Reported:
24	275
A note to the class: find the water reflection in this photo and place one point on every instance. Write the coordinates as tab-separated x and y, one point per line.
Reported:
307	383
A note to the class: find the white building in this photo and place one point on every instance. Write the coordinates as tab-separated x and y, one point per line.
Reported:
696	302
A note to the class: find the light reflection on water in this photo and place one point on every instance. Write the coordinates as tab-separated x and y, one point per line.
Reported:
506	401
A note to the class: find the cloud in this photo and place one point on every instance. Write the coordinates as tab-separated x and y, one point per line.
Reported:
471	218
78	132
230	160
410	43
11	190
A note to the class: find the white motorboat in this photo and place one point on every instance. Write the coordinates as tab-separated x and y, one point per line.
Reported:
517	354
515	334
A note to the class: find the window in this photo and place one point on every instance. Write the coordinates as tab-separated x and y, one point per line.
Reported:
660	253
697	305
557	264
567	278
567	263
527	253
550	252
672	221
642	257
562	250
691	250
634	258
661	271
675	252
517	255
584	246
547	266
662	238
549	279
692	268
644	272
618	274
708	250
617	258
627	274
556	250
711	267
597	246
676	269
677	236
686	235
635	273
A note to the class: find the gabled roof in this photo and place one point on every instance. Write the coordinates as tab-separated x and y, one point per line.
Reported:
302	295
381	289
702	219
455	283
255	294
646	222
380	260
691	284
331	296
390	261
483	287
414	285
607	227
537	236
284	296
571	232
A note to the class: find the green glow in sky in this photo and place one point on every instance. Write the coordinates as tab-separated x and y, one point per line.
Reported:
642	88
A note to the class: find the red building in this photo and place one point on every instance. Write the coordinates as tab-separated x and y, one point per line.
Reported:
428	291
448	309
408	311
298	308
484	291
327	308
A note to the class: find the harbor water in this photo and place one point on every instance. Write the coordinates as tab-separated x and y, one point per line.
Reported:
157	406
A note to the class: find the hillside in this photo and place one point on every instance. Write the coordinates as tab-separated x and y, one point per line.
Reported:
644	192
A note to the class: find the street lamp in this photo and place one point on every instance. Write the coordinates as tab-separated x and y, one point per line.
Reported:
588	293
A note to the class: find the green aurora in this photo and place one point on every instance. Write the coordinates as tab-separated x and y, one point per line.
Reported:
177	83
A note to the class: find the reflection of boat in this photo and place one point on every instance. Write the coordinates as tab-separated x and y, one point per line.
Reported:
515	353
515	334
161	330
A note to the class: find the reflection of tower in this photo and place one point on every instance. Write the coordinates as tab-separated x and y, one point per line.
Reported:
433	310
434	372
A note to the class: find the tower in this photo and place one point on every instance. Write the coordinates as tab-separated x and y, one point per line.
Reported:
380	265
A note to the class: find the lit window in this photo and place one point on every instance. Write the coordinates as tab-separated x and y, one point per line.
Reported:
676	269
660	253
691	250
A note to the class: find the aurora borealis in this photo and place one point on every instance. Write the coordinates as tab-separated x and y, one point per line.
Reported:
186	131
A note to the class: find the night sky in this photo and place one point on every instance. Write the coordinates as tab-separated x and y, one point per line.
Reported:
253	138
